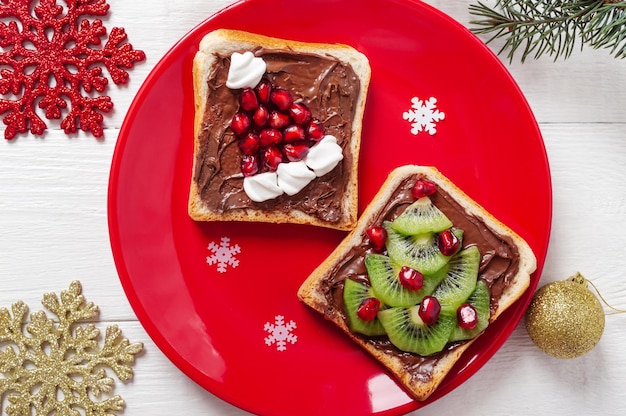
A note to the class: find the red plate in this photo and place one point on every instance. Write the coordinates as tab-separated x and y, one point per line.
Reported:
233	323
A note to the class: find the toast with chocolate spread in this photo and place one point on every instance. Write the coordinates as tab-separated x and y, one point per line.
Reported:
422	275
277	130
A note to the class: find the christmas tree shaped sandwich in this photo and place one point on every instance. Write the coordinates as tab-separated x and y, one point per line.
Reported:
422	275
277	130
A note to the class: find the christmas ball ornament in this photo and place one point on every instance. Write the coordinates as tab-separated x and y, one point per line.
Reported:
565	319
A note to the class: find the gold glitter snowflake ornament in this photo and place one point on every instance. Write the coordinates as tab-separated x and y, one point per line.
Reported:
56	366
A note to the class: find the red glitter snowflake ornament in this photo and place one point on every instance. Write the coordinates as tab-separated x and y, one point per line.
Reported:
51	58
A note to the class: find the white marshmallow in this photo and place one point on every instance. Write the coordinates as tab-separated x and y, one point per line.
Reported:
324	155
246	70
262	186
294	176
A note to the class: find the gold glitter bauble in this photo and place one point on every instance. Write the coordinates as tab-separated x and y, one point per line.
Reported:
565	319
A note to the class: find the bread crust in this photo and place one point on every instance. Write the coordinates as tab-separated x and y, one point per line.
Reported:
311	291
225	42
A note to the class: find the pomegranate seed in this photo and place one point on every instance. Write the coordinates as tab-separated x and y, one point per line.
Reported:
248	100
423	188
368	309
377	236
315	131
281	98
272	157
261	116
249	144
467	316
249	165
295	151
300	113
410	278
293	133
263	91
429	310
270	136
278	120
240	123
448	242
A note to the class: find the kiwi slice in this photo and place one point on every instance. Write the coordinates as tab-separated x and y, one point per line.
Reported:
480	299
383	273
354	293
422	216
460	280
409	333
418	251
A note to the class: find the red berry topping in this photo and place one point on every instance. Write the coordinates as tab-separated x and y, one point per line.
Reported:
261	116
270	136
429	310
271	128
448	242
240	123
278	120
377	236
248	100
281	98
315	131
249	165
295	151
249	144
368	309
293	133
410	278
272	157
263	91
466	316
423	188
300	113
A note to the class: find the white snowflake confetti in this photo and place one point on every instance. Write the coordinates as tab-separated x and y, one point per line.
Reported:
423	115
280	333
223	254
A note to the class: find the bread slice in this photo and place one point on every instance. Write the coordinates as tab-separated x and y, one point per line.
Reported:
324	287
216	192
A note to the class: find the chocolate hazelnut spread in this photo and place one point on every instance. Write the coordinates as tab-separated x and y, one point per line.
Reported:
325	85
499	264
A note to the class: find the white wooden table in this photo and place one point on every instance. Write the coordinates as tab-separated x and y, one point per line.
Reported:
53	228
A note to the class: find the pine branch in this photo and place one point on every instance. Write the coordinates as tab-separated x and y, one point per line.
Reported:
552	27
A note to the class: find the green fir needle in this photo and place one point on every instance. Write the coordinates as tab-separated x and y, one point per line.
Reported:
544	27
